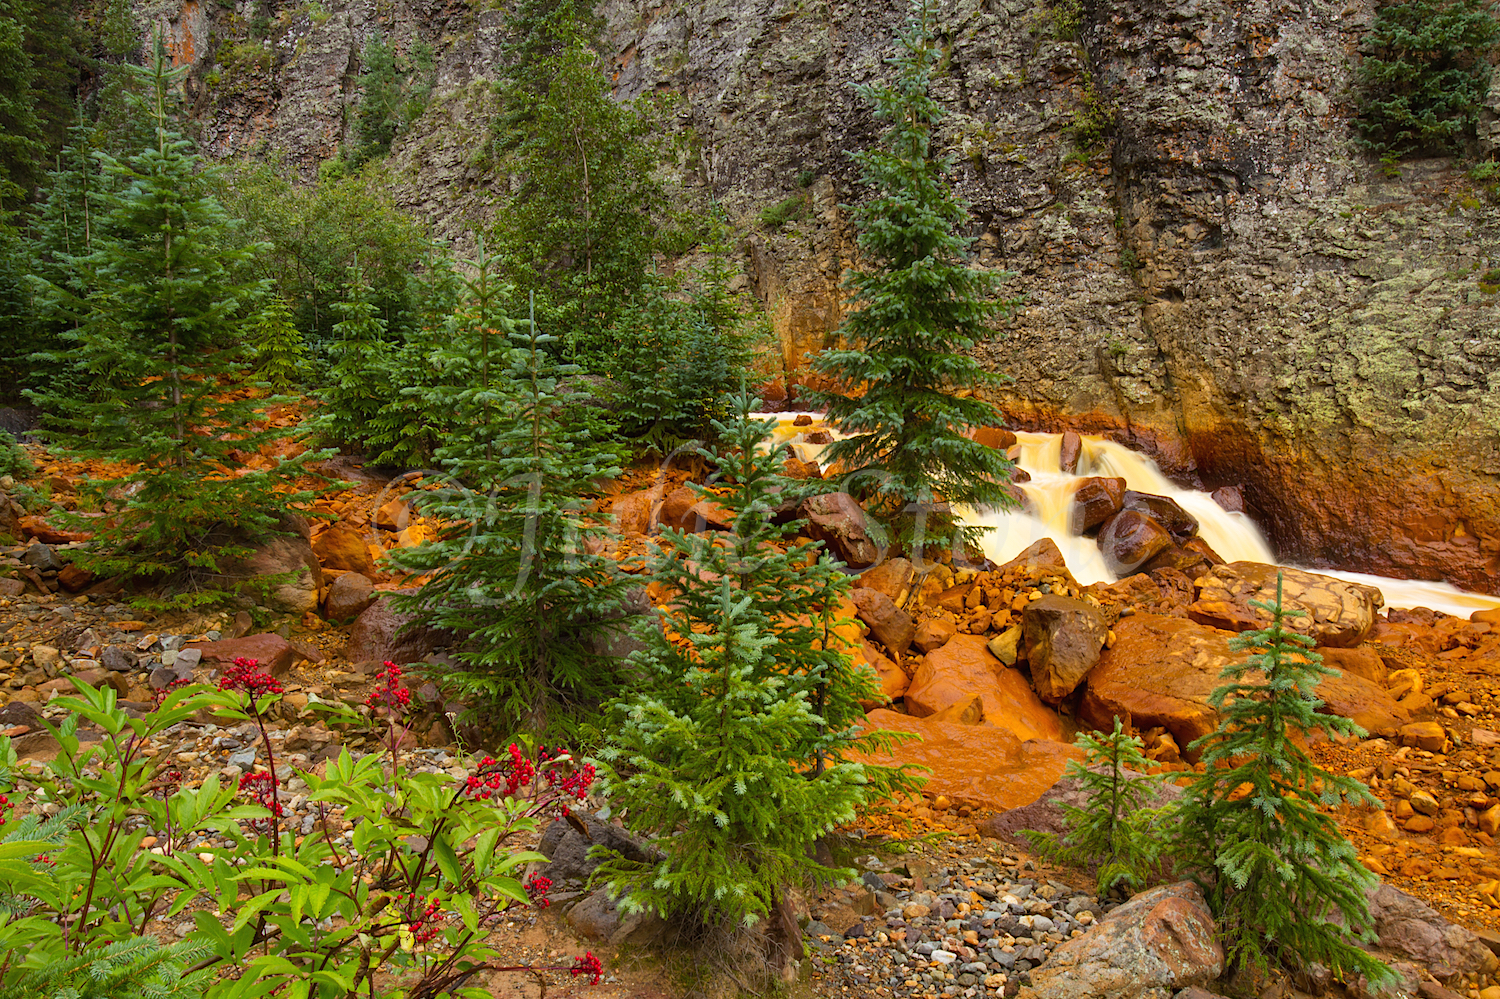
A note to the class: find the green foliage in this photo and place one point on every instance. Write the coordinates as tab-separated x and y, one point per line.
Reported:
357	384
280	356
1094	120
918	308
1284	883
1116	830
1425	74
791	209
735	752
40	45
137	968
395	93
1067	18
13	461
157	318
514	573
580	226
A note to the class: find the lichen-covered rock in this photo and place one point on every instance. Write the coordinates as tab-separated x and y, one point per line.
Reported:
1330	610
1160	941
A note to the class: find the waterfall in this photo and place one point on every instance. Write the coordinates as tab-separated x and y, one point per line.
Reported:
1048	508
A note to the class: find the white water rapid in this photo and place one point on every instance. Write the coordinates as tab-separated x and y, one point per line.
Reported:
1049	503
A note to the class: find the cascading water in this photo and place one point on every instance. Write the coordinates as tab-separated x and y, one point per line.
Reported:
1049	507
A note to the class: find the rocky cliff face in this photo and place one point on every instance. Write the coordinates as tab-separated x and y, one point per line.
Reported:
1226	281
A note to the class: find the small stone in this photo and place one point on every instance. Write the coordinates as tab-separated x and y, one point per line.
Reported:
1424	803
1418	824
1428	735
45	657
914	910
1489	820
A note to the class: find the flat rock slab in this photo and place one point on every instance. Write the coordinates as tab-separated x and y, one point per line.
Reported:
1161	671
965	667
274	653
1330	610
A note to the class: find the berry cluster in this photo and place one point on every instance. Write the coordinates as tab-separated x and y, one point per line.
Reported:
169	780
589	965
577	783
243	675
424	927
261	786
4	804
392	692
160	696
537	888
493	775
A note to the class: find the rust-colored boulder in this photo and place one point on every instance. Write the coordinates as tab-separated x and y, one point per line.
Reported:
893	680
383	634
347	598
1160	941
1229	498
344	548
799	470
1362	662
1161	671
1164	510
632	512
933	633
964	667
1063	637
890	625
394	514
274	653
1096	500
1069	452
1129	540
35	527
1183	559
893	577
74	579
675	507
839	522
1332	611
709	515
979	764
1040	556
995	437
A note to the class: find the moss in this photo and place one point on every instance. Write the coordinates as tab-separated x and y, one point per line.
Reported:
790	209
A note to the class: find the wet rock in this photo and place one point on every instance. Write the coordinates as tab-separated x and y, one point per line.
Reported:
1229	498
890	625
1040	557
893	577
349	595
1164	510
934	633
893	679
1096	500
1332	611
381	633
1070	451
1161	939
839	522
341	547
1063	639
964	667
1129	540
1161	671
996	437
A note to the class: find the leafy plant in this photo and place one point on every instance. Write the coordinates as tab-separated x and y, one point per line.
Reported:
1425	75
920	307
395	93
1283	882
736	753
1115	830
789	209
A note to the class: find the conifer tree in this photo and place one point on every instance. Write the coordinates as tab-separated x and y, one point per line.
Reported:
358	383
736	750
1116	830
157	327
1284	882
917	307
280	355
513	574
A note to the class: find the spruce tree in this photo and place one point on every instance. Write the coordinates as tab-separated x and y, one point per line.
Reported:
1116	830
736	751
918	306
158	322
358	383
1284	883
514	574
280	355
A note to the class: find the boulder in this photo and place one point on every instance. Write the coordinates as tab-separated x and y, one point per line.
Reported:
74	579
1069	451
284	561
964	667
982	764
1410	928
891	626
382	634
633	512
675	507
1063	638
1330	610
344	548
840	523
1164	510
893	577
996	437
349	595
1040	556
274	653
41	557
1129	540
1006	645
934	633
1362	662
566	848
708	515
1096	500
394	514
893	679
118	659
1049	814
1160	941
1229	498
1161	671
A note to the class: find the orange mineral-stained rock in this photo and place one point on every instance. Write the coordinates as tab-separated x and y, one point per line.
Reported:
893	680
979	764
964	667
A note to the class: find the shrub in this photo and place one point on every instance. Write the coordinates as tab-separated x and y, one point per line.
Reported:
1282	880
1425	75
790	209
